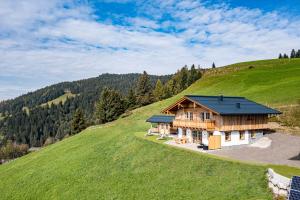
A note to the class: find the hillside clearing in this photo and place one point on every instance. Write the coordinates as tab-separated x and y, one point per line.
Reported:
61	99
110	162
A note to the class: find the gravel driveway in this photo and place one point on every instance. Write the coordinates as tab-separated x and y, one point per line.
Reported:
284	150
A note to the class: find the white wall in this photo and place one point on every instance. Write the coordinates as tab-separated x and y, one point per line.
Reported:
189	135
235	139
180	133
259	134
205	138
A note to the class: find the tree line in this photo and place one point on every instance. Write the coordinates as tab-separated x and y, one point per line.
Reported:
38	124
112	104
98	100
293	54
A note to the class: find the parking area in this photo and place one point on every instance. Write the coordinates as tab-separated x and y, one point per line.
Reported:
284	150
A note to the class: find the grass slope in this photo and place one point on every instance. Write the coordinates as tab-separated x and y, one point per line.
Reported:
272	82
62	99
110	162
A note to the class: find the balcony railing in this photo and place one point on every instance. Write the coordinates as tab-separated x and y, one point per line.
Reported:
207	124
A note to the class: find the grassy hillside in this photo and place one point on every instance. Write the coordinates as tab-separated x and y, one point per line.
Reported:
110	162
59	99
272	82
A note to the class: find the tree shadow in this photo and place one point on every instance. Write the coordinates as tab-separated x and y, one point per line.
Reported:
297	157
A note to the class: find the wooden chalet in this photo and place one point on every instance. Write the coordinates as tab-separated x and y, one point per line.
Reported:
214	121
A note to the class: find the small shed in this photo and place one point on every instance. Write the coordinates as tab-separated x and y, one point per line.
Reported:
161	124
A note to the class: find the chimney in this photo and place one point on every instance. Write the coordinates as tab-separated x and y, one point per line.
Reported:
221	97
238	105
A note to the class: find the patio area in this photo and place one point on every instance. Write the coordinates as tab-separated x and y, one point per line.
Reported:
275	148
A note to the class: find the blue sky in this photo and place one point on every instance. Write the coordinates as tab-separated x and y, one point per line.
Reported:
45	42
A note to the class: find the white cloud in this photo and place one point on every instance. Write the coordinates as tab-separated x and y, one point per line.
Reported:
57	41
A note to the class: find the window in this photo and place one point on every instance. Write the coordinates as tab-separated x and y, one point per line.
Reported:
242	135
227	136
189	115
253	135
204	116
207	115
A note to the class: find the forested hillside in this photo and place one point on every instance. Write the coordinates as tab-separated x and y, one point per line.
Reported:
40	119
46	115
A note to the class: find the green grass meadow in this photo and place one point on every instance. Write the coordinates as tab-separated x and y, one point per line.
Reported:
114	161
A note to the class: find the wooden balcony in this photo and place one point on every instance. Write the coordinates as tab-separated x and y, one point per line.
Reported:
194	124
241	127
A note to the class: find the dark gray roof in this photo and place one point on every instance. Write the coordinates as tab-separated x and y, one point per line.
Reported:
225	105
161	119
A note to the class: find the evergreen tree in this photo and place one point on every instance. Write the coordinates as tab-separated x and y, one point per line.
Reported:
144	90
280	56
298	54
293	54
131	99
285	56
169	89
78	122
194	75
213	65
110	106
183	78
158	92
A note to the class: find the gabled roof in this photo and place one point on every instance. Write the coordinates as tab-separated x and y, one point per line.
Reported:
226	105
161	119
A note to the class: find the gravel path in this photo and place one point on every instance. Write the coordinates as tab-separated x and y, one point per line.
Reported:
284	150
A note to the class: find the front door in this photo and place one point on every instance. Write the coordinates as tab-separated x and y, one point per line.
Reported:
197	137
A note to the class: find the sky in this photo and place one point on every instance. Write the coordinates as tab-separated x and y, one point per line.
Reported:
46	42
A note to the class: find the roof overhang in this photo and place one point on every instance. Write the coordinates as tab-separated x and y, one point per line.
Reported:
181	100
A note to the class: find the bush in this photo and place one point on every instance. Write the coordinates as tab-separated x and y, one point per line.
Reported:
291	116
12	151
49	140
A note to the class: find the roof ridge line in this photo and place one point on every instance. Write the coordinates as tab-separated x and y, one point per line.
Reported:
189	95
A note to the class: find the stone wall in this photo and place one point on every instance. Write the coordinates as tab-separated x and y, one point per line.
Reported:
278	183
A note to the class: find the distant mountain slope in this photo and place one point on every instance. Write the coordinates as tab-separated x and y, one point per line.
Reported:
47	113
109	162
89	89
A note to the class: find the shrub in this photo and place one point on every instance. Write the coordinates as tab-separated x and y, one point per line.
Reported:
12	151
49	140
291	116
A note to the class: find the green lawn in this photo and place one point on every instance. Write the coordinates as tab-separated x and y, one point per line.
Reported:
114	161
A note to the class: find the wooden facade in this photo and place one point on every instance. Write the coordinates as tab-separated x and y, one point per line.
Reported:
191	115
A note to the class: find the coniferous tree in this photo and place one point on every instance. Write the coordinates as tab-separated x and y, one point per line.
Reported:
280	56
144	90
110	106
285	56
169	89
78	122
298	54
293	54
131	99
213	65
183	78
194	75
158	92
